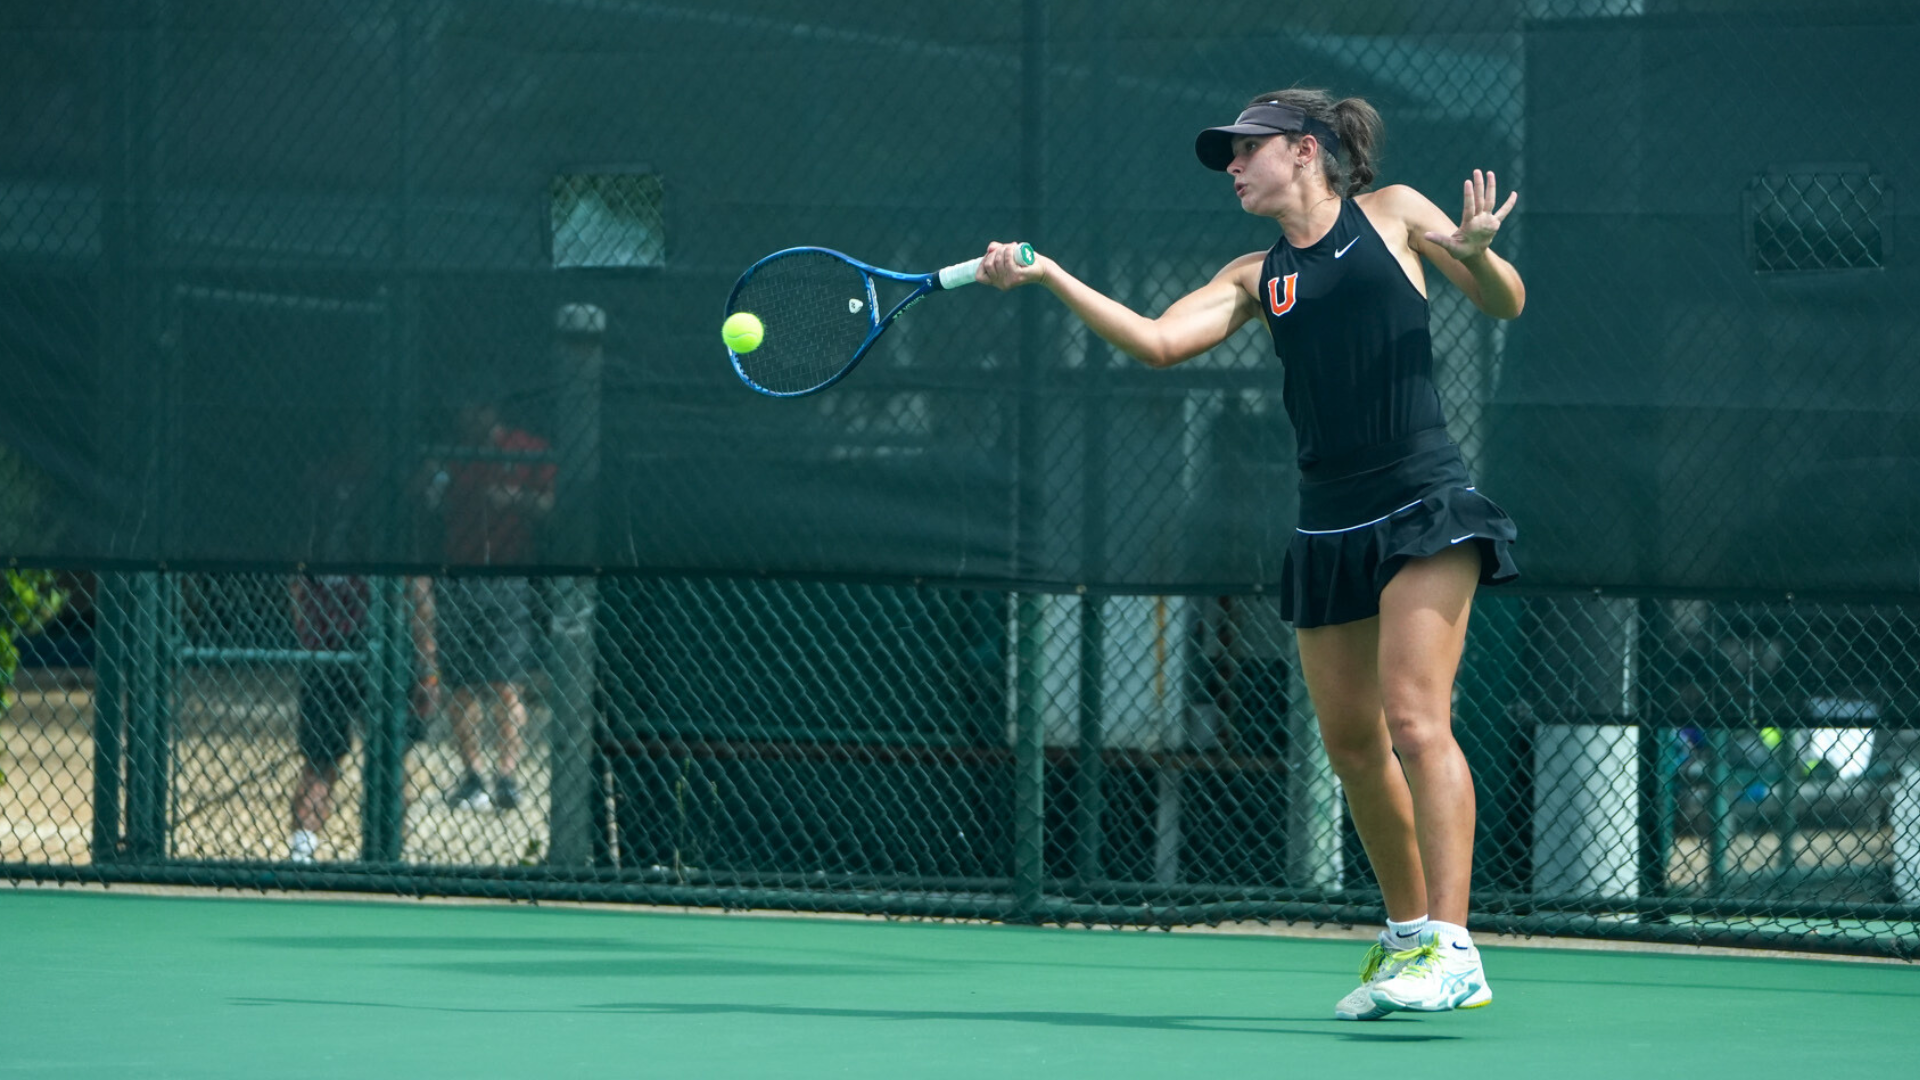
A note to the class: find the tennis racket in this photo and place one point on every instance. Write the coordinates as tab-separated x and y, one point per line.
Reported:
821	314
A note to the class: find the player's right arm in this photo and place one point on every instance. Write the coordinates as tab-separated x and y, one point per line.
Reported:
1190	326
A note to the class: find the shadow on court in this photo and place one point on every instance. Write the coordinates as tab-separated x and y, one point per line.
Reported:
852	961
462	943
632	960
1251	1025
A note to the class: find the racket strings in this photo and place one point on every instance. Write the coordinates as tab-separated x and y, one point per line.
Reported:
817	311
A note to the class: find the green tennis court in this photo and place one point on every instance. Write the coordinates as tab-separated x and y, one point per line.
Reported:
132	985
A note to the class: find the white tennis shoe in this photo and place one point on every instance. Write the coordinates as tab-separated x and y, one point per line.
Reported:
1380	964
303	846
1434	976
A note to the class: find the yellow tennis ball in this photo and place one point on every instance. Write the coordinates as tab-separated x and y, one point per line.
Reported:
742	331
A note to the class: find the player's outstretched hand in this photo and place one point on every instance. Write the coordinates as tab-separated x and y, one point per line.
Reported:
1479	221
1002	269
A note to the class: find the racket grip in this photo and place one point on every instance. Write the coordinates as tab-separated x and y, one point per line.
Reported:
959	274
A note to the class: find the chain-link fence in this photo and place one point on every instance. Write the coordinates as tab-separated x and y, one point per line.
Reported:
1670	769
351	344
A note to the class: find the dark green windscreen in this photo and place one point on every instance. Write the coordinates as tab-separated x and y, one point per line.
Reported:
256	265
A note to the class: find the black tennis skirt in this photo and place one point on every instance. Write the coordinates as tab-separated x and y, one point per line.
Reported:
1363	515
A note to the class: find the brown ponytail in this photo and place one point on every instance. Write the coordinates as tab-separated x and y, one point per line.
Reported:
1358	127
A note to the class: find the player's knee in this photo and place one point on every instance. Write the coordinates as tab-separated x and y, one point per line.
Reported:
1418	729
1353	753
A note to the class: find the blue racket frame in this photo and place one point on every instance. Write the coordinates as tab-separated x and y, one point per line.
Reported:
949	278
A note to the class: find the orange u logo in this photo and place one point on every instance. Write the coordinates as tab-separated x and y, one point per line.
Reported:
1274	303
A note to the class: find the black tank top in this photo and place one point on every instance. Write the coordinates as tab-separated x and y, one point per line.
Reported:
1351	331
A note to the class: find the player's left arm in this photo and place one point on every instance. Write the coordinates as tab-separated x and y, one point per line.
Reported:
1463	251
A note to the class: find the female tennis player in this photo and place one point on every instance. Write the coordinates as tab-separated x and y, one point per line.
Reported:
1393	539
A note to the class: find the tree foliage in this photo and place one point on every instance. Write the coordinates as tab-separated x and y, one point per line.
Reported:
28	601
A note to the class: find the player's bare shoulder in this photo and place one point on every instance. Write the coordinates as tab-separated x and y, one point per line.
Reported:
1397	211
1396	199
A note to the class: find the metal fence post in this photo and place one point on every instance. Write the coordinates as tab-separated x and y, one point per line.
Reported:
1090	771
575	601
109	713
1029	733
1029	761
388	671
1090	775
1656	792
148	744
574	674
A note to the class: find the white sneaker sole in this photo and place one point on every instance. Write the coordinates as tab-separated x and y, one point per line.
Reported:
1359	1005
1481	996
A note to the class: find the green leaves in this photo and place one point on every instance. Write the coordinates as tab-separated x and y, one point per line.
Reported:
28	601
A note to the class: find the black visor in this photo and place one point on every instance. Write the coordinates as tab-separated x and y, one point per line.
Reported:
1215	145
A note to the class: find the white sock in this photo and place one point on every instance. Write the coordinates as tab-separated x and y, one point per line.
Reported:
1449	934
1406	933
305	843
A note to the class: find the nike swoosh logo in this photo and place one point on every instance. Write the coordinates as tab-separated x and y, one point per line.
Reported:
1456	944
1456	540
1343	250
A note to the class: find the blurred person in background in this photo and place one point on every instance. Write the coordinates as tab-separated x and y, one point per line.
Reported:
491	494
329	613
330	616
